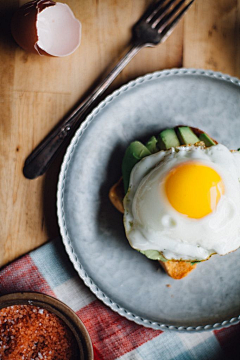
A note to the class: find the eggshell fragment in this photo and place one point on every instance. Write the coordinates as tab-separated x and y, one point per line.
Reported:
45	27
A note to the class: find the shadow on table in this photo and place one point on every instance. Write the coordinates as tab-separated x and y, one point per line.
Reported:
50	196
6	12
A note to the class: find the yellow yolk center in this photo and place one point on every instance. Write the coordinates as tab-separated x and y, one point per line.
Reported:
194	189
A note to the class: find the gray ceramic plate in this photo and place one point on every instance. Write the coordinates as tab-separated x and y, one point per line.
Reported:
92	229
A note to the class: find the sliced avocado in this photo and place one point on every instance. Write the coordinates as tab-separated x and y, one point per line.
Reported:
195	262
206	139
186	135
151	145
167	139
153	255
135	152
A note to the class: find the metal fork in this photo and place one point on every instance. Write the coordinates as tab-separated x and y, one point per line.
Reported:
153	28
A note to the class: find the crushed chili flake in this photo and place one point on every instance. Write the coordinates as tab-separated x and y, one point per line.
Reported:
29	332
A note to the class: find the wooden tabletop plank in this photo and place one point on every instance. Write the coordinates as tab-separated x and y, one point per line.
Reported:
37	91
212	36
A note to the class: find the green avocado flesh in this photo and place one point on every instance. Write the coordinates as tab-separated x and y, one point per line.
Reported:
167	139
135	152
151	145
186	136
206	139
195	262
153	255
156	255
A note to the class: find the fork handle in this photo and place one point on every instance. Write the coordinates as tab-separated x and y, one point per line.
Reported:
43	155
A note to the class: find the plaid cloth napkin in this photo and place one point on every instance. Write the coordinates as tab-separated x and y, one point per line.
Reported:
49	270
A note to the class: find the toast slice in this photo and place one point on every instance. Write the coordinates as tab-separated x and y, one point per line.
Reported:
116	195
176	269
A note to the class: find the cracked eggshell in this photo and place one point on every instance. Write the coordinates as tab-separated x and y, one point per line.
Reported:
45	27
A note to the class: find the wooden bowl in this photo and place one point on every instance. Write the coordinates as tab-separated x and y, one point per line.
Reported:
57	307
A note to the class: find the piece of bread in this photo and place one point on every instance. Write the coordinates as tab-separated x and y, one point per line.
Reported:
116	195
177	269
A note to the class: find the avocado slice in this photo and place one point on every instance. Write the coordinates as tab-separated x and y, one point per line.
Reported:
135	152
151	145
167	139
186	135
206	139
153	255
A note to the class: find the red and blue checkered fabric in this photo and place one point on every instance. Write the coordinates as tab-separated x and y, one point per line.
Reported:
48	270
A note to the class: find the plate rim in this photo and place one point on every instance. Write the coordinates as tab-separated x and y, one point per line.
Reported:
60	211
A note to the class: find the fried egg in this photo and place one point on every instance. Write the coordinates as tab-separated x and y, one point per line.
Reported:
185	203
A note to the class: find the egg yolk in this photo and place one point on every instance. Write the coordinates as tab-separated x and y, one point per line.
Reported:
194	189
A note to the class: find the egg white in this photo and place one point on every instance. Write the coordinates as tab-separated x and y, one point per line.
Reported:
151	223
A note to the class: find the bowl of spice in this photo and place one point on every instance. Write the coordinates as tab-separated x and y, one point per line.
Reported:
35	326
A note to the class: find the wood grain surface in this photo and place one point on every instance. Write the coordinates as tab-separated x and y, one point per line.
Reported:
36	92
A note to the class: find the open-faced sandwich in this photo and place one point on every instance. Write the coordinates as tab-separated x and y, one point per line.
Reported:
180	195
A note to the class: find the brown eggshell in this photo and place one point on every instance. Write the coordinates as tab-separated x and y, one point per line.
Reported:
23	25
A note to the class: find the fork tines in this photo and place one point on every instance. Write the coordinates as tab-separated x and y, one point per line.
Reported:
163	15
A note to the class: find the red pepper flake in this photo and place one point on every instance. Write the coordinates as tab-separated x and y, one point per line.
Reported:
29	332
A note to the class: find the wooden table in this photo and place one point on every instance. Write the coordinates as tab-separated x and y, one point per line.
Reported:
36	92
